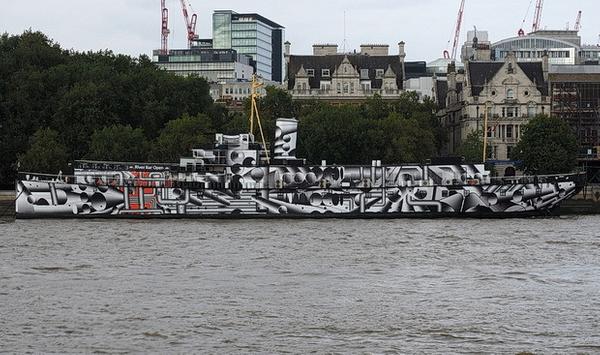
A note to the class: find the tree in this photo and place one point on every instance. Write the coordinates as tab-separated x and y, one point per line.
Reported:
547	146
46	154
180	136
119	143
472	147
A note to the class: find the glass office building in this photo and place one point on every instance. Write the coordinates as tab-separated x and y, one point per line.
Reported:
253	35
215	65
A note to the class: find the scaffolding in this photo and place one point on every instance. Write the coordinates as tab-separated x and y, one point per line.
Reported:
579	104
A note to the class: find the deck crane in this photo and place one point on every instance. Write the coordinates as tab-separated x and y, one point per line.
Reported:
537	17
459	19
190	24
164	48
578	21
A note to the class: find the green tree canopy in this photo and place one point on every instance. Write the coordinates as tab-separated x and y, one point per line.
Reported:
471	148
119	143
46	153
547	146
77	94
180	136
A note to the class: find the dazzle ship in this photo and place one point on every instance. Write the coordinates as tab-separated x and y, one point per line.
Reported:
239	179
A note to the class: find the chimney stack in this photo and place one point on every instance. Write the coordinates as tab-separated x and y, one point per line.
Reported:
401	51
545	65
286	47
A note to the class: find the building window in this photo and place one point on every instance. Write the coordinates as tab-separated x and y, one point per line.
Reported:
325	72
510	94
346	88
339	88
352	88
531	110
511	112
364	73
379	73
509	131
310	72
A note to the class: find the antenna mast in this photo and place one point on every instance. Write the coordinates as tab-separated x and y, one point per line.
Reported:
254	113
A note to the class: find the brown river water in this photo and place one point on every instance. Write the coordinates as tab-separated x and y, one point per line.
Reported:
300	286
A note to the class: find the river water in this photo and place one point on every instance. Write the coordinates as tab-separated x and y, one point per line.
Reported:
298	286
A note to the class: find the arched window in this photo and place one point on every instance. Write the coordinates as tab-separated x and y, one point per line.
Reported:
510	94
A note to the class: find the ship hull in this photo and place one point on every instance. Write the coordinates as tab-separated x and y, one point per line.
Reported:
277	193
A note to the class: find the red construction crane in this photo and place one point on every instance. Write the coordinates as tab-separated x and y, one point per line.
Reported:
578	21
537	17
190	24
456	32
164	48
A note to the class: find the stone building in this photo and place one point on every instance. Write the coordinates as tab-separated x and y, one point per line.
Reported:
349	77
512	92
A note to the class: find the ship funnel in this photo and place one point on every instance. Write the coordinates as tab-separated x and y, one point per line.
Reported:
286	136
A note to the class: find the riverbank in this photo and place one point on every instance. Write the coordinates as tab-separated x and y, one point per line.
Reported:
7	203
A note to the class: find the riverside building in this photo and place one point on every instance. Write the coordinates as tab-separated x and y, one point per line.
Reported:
335	77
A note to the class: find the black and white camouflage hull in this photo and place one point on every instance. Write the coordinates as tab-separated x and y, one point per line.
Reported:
333	191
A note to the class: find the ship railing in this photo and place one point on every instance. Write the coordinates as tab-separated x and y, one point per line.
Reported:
110	180
535	179
116	181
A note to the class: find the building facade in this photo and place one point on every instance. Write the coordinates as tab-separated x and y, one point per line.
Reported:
212	64
575	97
563	47
335	77
512	92
253	35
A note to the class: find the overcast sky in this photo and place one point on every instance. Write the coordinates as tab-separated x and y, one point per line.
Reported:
133	26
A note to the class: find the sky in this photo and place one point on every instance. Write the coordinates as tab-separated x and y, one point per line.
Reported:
427	26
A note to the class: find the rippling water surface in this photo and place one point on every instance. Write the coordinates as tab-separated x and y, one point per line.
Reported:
412	286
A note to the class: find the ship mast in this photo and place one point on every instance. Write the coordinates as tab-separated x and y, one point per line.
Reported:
254	113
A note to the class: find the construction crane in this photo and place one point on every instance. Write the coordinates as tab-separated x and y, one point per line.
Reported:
521	30
459	19
164	47
190	24
578	21
537	17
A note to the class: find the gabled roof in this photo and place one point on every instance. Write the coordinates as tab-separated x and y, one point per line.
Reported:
332	62
481	73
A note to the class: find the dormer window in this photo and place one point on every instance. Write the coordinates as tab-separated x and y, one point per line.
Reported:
325	73
379	73
511	70
364	73
310	72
